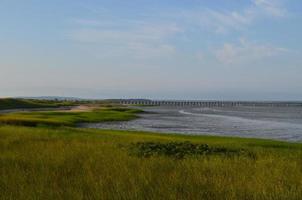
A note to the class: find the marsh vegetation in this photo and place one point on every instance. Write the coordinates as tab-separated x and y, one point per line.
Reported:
65	162
10	103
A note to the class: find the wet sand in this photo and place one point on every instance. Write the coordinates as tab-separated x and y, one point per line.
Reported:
254	122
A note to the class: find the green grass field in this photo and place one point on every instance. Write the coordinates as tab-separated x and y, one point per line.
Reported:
60	162
72	163
62	118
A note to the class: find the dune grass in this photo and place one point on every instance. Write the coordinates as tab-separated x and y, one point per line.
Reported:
73	163
62	118
10	103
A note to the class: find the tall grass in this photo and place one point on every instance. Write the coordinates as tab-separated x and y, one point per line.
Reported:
71	163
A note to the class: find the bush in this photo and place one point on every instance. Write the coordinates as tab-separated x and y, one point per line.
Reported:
180	150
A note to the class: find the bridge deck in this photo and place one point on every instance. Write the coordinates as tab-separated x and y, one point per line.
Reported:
210	103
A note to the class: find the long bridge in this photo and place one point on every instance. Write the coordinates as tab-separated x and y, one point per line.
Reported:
194	103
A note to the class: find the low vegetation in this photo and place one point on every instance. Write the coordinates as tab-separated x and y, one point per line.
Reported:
64	118
65	162
9	103
73	163
180	150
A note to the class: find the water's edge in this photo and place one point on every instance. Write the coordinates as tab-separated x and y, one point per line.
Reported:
253	122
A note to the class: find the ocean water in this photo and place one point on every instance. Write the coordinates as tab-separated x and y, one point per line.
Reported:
281	123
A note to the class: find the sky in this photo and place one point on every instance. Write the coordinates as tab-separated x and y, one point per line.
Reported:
171	49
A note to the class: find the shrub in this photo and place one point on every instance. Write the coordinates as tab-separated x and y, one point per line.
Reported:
180	150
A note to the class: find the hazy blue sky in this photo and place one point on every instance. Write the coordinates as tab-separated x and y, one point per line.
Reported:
176	49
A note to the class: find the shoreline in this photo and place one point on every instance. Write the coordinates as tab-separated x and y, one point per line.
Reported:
166	120
119	125
189	135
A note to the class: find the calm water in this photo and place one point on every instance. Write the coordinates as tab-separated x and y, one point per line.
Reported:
282	123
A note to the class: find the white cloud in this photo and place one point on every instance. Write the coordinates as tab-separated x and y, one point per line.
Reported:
217	21
246	52
146	40
151	37
226	21
132	33
271	7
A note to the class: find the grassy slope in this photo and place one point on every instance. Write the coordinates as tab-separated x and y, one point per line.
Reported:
8	103
71	163
67	118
